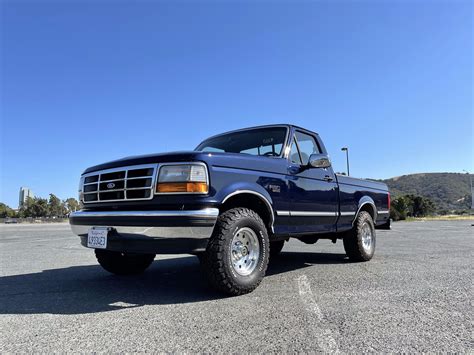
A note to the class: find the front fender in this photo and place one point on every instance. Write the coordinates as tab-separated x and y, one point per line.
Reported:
243	187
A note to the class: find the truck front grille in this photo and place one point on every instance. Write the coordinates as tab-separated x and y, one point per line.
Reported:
121	184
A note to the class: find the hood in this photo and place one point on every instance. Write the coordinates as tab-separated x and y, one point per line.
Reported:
146	159
227	160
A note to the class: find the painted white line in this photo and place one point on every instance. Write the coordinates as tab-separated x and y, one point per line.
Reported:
323	334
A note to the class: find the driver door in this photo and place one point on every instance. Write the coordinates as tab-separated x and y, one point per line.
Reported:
313	191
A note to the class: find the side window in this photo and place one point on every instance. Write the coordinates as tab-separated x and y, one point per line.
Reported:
212	149
307	146
294	153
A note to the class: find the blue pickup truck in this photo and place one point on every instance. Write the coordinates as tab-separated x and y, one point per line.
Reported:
233	202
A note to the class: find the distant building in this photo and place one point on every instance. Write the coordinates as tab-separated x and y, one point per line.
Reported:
24	194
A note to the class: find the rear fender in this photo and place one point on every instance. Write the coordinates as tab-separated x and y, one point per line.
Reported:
366	203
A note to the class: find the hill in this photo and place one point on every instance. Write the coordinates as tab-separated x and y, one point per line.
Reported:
449	191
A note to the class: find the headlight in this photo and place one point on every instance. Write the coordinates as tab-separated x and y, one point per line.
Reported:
183	178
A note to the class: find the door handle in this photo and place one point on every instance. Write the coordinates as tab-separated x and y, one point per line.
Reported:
328	178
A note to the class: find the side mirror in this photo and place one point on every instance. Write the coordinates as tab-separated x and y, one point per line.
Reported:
319	161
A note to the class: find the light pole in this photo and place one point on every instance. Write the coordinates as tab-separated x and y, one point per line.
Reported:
472	189
346	149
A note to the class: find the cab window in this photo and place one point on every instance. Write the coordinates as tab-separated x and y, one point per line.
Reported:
266	142
303	146
294	153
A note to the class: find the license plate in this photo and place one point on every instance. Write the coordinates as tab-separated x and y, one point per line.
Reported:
97	238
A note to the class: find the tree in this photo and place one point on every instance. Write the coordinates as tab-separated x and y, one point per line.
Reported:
395	214
6	211
422	206
40	207
72	205
400	208
410	205
26	209
55	206
34	207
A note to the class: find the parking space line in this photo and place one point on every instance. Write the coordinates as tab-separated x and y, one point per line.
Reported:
324	336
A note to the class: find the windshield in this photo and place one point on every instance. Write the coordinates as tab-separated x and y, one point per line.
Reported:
259	141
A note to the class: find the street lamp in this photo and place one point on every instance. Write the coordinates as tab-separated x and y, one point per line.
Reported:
346	149
472	189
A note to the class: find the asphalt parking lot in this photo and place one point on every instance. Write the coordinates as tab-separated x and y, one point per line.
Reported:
414	296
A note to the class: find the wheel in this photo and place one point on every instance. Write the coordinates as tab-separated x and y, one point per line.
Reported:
359	243
276	247
237	254
123	263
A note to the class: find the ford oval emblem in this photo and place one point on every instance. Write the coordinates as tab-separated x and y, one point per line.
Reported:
110	185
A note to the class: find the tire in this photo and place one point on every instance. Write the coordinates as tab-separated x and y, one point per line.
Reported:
359	243
276	247
123	263
237	254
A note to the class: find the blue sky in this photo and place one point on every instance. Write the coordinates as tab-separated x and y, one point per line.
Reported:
87	82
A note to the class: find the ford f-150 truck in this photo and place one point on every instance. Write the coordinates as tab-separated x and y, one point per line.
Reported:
233	202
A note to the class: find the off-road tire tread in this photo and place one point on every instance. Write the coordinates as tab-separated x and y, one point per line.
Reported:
352	242
213	260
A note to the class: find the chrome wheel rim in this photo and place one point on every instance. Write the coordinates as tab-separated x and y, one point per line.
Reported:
245	251
367	237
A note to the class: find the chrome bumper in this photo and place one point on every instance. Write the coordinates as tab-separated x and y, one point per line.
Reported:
197	224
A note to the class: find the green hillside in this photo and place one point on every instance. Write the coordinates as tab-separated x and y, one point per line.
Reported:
449	191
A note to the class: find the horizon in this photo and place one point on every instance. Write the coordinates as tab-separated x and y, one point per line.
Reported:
86	83
393	177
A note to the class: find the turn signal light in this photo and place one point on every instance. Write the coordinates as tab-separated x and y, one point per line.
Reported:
200	187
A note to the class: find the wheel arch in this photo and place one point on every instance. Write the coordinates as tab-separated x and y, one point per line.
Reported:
366	204
253	200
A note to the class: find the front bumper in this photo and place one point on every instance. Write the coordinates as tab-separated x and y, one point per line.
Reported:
158	232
